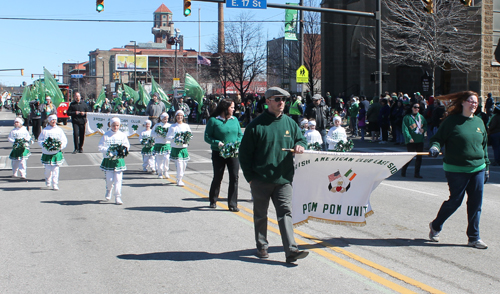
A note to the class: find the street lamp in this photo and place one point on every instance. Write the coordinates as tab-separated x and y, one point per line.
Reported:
135	65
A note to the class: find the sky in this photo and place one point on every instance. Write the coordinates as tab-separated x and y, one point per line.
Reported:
33	45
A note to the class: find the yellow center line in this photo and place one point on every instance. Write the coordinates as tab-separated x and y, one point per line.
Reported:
336	259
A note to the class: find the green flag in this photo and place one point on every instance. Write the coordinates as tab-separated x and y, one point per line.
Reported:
143	96
52	88
155	88
192	89
24	102
100	99
131	92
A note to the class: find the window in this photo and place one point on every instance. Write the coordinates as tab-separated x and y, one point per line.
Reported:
496	30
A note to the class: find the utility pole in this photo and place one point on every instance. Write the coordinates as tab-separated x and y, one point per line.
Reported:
301	44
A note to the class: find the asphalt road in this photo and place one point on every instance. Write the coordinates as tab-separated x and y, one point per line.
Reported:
165	239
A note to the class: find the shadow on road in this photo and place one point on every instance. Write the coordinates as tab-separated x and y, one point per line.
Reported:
168	209
247	255
77	202
396	242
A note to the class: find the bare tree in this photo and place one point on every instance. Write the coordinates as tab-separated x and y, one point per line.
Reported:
413	37
245	54
312	46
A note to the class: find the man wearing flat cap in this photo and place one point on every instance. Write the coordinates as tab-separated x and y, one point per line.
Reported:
269	170
318	111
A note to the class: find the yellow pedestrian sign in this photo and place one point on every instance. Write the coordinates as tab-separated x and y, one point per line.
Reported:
302	75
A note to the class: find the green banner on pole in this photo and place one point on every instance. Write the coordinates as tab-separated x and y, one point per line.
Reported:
291	23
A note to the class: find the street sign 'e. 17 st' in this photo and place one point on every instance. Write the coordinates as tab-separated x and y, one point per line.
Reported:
256	4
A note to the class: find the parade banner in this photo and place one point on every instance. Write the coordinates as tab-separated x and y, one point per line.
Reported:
99	123
291	23
335	187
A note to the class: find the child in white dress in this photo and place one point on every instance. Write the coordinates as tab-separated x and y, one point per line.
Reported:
20	150
162	147
179	135
147	141
52	140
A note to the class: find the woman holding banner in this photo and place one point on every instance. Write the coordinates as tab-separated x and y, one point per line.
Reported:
465	163
223	133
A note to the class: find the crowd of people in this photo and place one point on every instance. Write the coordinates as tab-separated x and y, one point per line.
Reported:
461	128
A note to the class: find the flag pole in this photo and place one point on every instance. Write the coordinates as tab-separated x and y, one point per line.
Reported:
417	153
199	44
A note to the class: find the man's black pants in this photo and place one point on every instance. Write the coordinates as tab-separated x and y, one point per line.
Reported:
78	135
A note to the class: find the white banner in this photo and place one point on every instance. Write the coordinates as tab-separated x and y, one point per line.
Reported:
335	187
99	123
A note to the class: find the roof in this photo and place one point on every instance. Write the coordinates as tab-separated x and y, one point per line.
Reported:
163	9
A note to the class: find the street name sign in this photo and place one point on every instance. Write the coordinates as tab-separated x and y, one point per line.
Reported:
77	76
255	4
302	75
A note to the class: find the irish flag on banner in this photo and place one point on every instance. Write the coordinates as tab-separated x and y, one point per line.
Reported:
343	182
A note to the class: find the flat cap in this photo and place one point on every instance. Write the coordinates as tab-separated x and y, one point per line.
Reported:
316	97
276	91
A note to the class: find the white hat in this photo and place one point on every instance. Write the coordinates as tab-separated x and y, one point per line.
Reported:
115	119
303	122
179	112
52	117
148	122
20	120
48	98
337	118
312	123
164	115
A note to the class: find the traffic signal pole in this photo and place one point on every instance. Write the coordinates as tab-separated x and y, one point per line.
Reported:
374	15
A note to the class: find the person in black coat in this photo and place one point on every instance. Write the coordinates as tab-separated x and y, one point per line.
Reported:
78	111
318	111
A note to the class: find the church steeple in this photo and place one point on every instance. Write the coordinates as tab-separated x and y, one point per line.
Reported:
163	25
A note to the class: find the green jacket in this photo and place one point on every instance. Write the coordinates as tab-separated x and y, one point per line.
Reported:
410	128
354	110
217	130
261	156
466	145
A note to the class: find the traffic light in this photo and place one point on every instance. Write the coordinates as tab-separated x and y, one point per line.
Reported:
22	72
429	6
99	5
32	75
187	7
466	2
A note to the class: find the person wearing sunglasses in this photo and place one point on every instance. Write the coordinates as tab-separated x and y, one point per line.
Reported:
414	126
269	170
465	163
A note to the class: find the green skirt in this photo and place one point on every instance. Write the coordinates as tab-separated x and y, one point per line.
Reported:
53	159
147	150
18	154
113	164
160	149
179	154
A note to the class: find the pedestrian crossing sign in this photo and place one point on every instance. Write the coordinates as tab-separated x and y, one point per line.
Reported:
302	75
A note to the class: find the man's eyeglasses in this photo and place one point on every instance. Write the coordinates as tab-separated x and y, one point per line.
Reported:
278	99
472	102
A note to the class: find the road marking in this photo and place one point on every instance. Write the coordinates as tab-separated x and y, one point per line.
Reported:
408	189
370	275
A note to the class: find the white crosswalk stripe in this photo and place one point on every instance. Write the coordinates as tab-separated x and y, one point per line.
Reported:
94	159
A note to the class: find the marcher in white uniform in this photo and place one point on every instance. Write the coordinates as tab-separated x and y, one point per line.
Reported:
148	157
179	151
19	156
312	135
336	133
162	147
52	159
113	166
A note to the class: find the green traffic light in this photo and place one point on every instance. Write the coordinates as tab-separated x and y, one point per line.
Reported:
99	7
187	12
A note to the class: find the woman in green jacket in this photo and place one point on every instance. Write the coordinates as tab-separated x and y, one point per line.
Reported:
414	126
465	163
223	133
